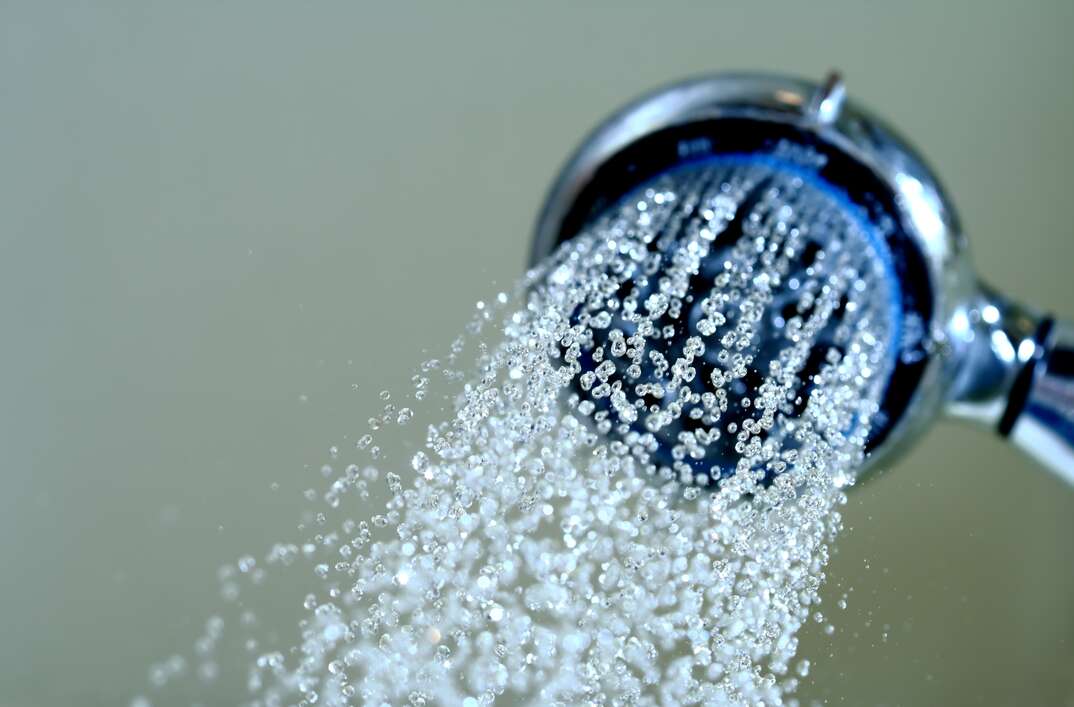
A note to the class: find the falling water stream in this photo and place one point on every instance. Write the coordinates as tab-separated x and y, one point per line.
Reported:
632	497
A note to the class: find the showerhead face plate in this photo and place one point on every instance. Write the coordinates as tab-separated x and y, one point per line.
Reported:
762	199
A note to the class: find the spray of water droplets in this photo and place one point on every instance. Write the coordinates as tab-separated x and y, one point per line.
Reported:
632	499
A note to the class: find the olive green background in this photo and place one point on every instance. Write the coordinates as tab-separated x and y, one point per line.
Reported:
209	210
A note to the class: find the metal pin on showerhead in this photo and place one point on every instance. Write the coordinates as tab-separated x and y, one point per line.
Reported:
958	348
827	101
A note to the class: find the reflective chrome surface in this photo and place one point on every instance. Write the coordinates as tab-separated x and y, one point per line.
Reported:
1044	428
993	340
980	346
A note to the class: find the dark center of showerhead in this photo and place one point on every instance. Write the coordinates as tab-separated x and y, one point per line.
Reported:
742	284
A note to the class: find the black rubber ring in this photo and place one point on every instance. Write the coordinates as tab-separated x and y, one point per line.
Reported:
1023	383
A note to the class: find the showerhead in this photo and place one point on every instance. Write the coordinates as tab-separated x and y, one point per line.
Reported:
846	188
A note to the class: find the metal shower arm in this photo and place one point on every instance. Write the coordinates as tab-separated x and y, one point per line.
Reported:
1014	374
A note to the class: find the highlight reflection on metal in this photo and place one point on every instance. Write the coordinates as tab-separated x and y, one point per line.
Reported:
982	357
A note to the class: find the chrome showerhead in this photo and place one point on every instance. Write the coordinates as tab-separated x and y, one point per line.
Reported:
956	347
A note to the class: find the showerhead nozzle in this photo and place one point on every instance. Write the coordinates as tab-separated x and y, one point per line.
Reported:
833	200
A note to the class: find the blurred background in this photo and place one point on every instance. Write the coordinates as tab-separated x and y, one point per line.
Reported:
226	226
